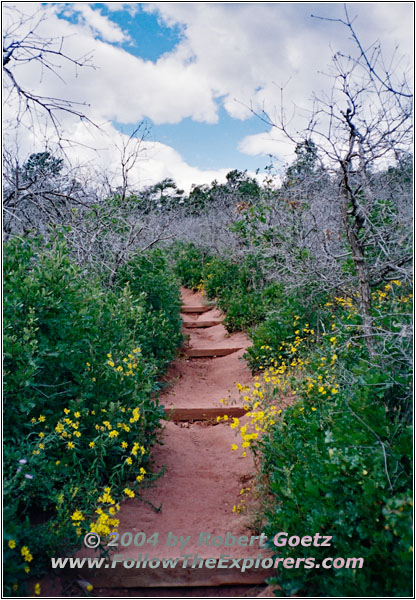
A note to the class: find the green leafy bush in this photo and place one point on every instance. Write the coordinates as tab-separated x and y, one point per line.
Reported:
239	289
274	338
244	310
82	364
151	279
221	277
188	262
339	467
337	461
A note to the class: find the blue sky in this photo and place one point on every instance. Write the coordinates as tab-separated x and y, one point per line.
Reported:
191	69
150	37
201	145
213	145
209	146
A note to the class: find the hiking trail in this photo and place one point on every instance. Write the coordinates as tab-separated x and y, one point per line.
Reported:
202	476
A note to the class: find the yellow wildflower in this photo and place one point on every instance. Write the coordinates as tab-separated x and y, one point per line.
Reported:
25	552
77	516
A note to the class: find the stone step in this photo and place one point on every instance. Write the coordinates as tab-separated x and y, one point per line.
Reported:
194	498
202	414
196	309
130	576
209	352
211	323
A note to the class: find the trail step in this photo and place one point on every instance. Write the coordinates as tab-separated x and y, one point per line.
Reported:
202	323
209	352
203	414
196	309
192	490
180	576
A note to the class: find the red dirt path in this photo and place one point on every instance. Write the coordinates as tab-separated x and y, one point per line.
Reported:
203	476
202	382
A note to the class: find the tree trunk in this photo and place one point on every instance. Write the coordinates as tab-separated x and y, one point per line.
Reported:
358	257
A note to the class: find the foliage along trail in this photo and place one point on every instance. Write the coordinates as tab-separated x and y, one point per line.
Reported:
203	486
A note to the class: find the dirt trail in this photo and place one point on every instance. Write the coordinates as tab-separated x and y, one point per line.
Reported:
203	476
202	382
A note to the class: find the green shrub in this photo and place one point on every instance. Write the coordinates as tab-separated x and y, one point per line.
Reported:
274	338
239	289
337	462
339	467
188	262
244	310
221	277
82	364
151	279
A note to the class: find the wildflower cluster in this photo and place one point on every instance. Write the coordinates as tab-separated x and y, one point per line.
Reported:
128	363
256	421
310	427
63	450
105	523
241	504
285	352
22	557
82	369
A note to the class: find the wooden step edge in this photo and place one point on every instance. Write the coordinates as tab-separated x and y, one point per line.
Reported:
203	414
196	309
209	352
202	323
179	576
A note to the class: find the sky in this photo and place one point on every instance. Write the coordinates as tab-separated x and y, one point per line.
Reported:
190	71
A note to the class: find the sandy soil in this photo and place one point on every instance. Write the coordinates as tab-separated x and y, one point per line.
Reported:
201	484
203	476
202	382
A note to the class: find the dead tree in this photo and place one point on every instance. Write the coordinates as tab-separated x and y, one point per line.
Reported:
23	45
360	129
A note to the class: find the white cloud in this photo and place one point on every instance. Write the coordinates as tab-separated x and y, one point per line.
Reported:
97	153
247	51
242	53
131	7
98	23
237	54
273	143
